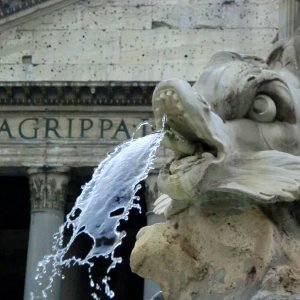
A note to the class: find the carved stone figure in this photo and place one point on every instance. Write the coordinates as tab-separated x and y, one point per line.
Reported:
231	192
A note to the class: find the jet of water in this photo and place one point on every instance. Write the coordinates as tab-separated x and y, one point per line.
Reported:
103	203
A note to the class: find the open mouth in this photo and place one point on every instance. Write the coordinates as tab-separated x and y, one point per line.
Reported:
191	144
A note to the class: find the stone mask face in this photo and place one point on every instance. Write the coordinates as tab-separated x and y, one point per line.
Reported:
235	130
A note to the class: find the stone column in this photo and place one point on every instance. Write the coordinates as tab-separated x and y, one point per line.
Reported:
48	189
151	194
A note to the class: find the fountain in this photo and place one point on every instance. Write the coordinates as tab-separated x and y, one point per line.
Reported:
231	192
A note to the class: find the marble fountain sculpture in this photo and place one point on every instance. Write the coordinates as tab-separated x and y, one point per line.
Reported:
231	192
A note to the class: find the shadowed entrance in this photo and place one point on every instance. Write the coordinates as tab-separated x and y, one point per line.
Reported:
14	229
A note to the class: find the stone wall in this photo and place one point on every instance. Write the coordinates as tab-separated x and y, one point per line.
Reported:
134	40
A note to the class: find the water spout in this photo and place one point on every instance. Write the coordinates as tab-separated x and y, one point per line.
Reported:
103	203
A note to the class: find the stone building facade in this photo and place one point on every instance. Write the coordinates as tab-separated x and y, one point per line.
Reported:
76	80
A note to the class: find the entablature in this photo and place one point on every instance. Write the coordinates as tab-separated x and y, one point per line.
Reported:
70	124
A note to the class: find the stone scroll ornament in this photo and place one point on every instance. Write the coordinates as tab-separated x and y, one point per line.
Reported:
230	194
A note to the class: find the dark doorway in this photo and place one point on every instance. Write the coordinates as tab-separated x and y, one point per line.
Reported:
125	284
14	231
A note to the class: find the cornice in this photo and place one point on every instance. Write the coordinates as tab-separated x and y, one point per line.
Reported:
8	8
78	83
112	94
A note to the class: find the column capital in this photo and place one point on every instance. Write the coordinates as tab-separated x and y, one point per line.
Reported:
48	188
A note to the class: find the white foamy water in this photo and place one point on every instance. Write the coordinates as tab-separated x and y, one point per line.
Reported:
103	203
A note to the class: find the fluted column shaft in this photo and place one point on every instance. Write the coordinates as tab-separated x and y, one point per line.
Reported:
289	18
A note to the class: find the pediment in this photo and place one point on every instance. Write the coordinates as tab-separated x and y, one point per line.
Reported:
16	12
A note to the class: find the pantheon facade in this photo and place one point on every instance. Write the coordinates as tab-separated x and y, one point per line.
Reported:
76	79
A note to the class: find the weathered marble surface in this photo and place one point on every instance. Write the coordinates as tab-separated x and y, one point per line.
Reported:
231	192
132	40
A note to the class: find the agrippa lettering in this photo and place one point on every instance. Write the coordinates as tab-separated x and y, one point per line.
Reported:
69	128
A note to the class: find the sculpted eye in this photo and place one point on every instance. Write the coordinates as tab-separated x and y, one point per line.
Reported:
263	109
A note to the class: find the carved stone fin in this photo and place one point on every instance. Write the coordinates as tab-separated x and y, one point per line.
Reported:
265	176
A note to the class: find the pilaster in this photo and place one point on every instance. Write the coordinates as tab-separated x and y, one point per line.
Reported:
289	18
